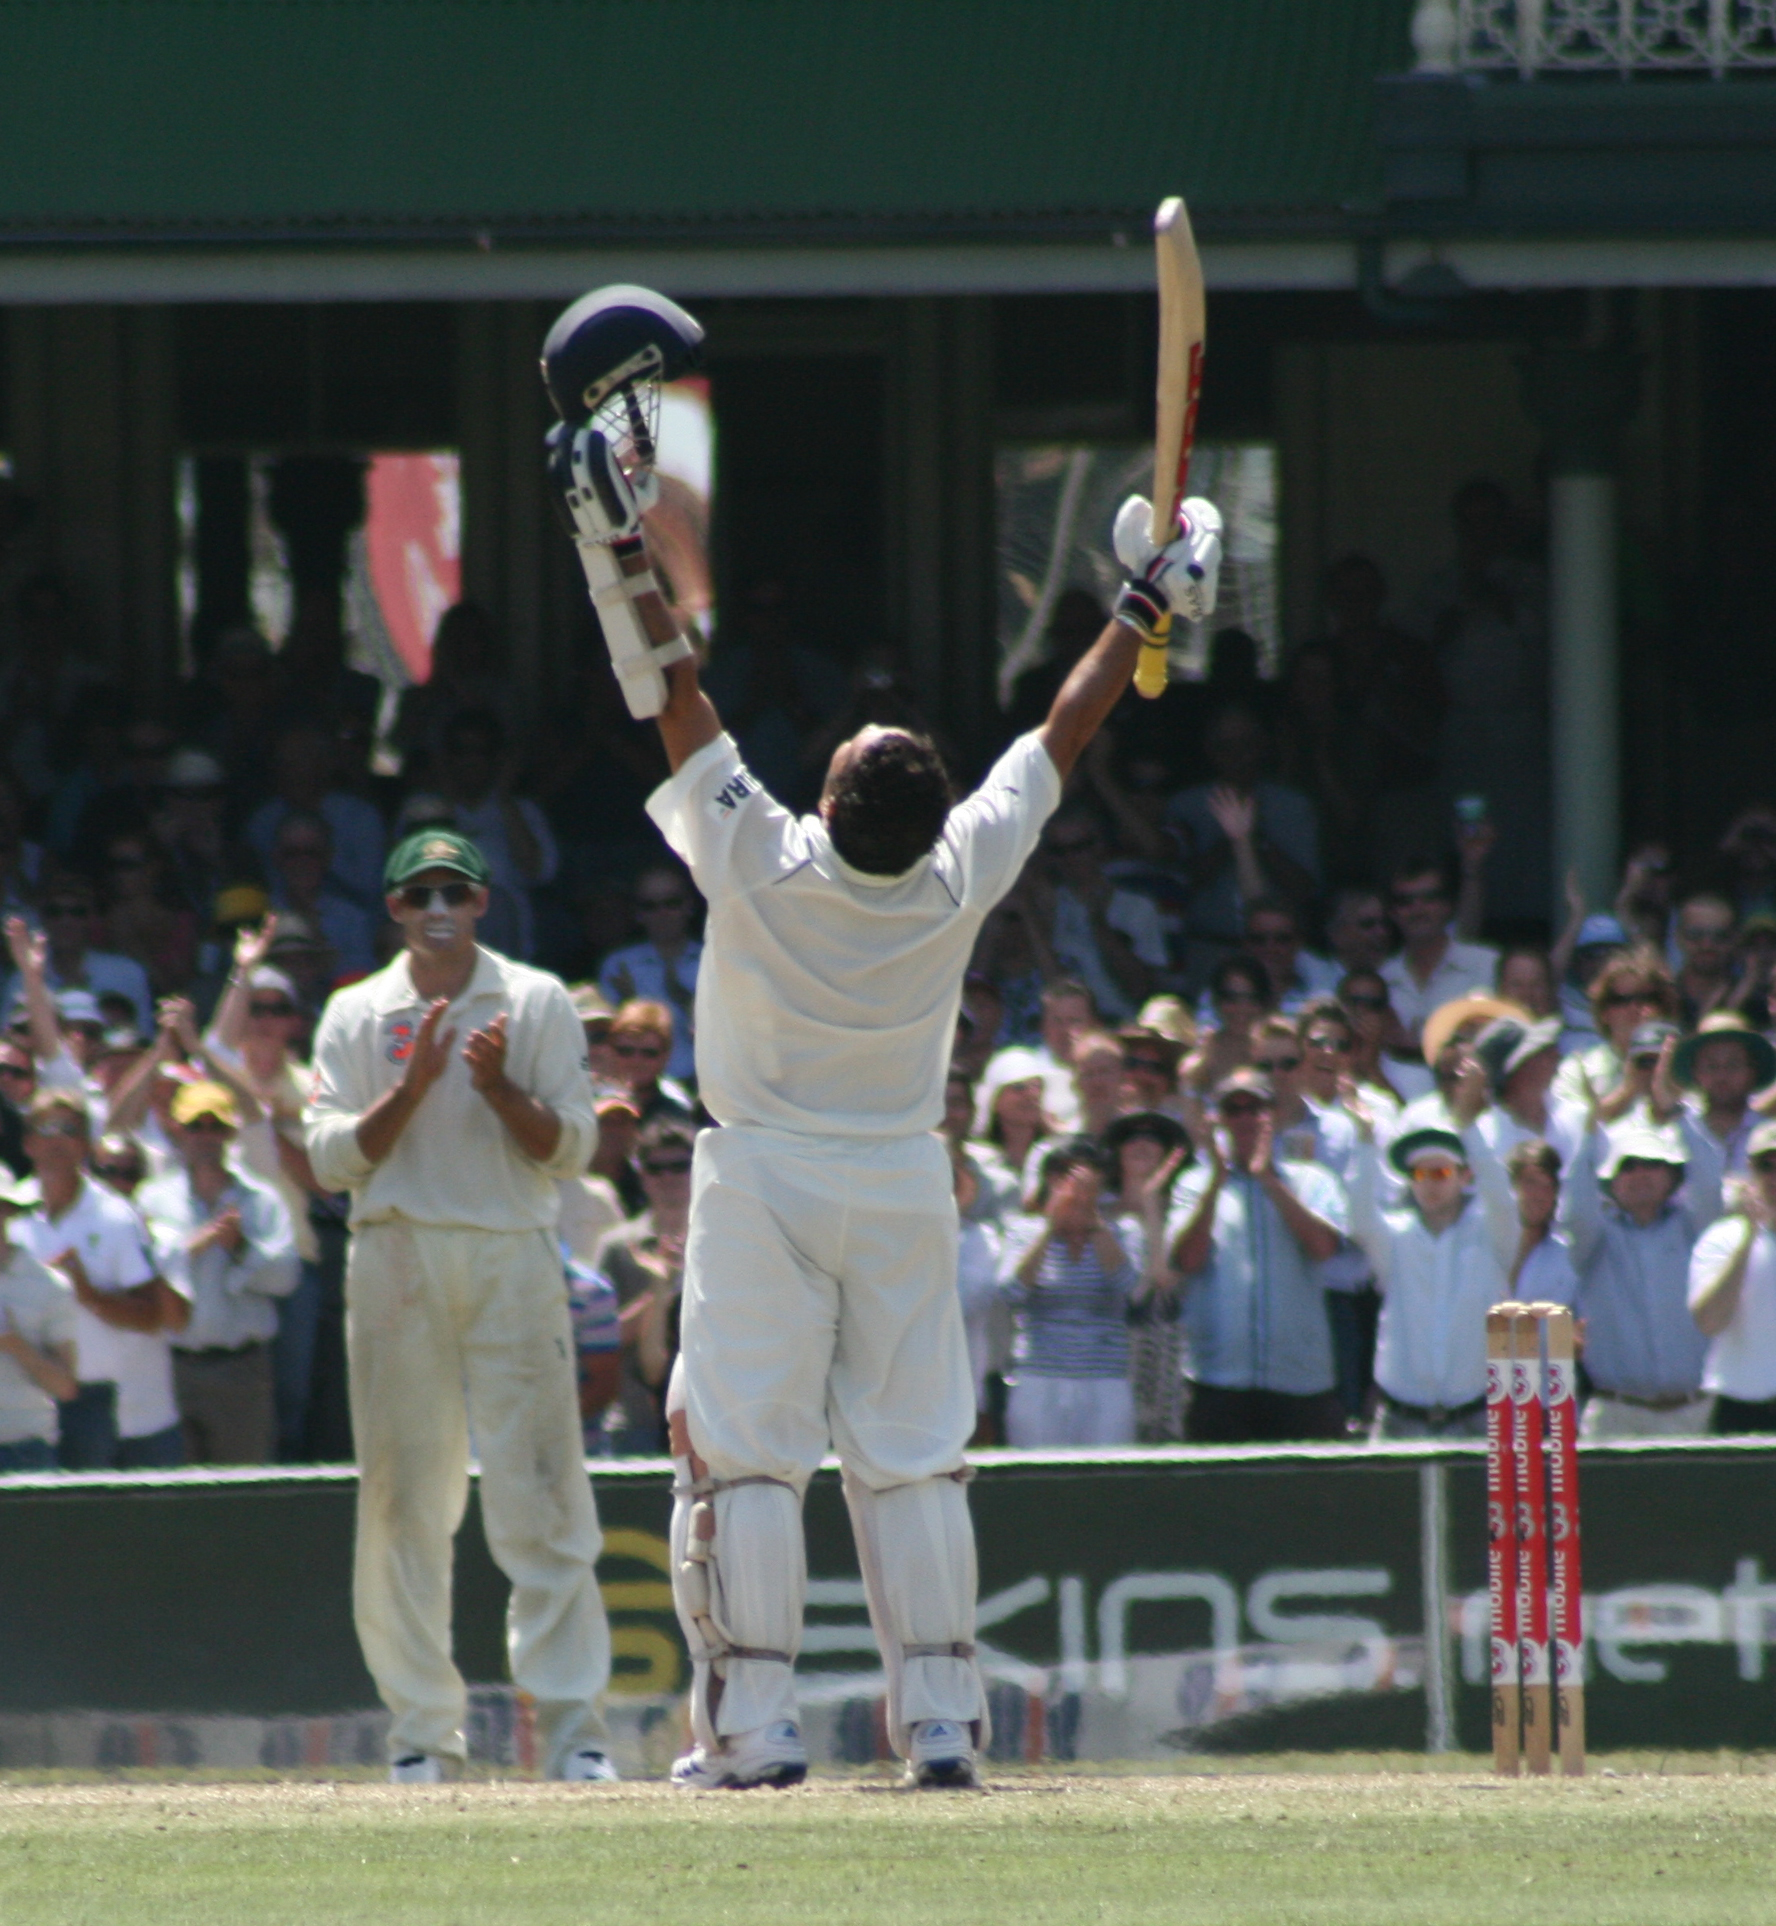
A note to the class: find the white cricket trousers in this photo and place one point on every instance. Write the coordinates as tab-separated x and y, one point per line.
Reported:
450	1332
821	1312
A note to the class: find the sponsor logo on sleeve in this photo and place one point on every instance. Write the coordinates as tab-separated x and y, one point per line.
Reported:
734	792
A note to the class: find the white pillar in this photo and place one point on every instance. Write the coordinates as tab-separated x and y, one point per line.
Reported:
1582	396
1584	692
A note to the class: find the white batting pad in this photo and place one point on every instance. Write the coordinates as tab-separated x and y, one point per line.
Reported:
915	1546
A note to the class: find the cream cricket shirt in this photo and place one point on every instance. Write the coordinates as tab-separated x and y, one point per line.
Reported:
455	1164
826	998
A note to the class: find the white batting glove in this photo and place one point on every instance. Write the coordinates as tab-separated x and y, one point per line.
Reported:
1179	579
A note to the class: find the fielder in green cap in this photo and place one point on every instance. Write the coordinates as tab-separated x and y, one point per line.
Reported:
434	849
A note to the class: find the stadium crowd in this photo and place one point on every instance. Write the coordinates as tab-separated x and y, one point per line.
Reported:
1249	1125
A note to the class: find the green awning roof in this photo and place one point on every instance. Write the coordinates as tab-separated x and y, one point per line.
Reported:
249	120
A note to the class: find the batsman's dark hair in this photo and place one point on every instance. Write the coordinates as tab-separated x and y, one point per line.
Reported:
887	806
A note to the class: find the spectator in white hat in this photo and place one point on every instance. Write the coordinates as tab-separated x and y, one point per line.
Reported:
1719	1067
123	1415
1631	1245
1732	1295
1520	1061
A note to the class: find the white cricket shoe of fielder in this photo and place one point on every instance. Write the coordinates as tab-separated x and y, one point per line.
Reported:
770	1755
590	1766
940	1754
416	1769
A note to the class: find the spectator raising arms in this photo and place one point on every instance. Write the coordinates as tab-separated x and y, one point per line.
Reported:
1071	1274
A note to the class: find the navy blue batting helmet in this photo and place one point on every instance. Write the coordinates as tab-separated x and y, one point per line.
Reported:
612	338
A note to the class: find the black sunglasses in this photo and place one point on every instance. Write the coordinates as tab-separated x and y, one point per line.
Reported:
418	896
118	1173
675	1167
278	1009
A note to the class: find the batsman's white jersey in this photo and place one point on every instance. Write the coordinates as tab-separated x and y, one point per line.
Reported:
820	1298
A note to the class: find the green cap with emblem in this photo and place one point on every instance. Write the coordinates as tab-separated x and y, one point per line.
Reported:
433	849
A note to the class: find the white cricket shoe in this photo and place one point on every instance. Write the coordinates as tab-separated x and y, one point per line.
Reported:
770	1755
589	1766
416	1769
941	1754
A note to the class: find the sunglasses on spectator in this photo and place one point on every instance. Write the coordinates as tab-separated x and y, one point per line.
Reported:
118	1173
1402	897
418	897
1148	1066
638	1049
1271	939
659	903
278	1009
24	1070
1363	1000
1765	1164
669	1167
55	1130
1325	1042
1436	1173
1271	1065
1705	932
1241	1107
208	1126
1237	996
1618	999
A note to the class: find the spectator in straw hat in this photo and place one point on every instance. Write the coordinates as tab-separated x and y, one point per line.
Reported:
1719	1067
1520	1061
225	1237
1450	1032
1732	1296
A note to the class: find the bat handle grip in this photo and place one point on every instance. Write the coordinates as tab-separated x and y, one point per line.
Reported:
1153	664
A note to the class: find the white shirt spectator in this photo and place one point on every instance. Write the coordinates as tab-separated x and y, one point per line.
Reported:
112	1243
233	1293
1465	967
38	1306
1741	1360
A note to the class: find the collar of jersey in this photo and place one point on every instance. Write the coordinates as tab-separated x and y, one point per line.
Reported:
396	990
865	879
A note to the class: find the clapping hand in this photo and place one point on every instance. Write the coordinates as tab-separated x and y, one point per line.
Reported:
485	1054
431	1052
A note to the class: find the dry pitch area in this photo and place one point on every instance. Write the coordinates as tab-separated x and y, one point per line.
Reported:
1321	1846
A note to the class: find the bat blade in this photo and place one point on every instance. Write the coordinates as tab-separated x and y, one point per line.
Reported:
1181	328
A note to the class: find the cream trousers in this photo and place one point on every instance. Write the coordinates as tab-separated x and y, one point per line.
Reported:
453	1333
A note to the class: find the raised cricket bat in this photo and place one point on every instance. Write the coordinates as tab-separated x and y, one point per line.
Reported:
1180	385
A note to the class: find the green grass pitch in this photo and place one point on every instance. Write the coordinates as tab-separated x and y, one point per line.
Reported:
1322	1846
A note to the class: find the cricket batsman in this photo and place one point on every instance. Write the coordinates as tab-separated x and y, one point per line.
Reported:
820	1306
